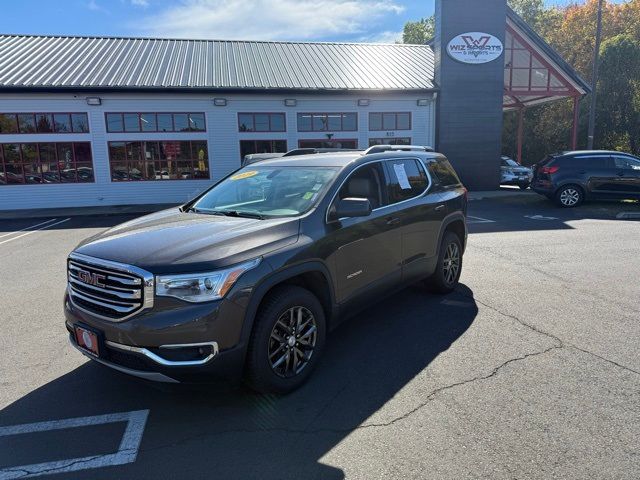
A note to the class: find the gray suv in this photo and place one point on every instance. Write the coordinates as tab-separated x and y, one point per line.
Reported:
245	281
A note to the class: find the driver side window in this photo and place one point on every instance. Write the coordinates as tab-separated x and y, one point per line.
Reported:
366	182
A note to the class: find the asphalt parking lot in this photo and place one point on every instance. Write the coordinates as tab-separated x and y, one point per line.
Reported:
531	369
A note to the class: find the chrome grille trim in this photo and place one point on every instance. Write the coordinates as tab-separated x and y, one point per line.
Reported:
126	290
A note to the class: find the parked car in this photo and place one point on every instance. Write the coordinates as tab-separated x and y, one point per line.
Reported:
246	279
570	178
512	173
257	157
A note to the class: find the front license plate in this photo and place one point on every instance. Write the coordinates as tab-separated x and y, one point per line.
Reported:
87	341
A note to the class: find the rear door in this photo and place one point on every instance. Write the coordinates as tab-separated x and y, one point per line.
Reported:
595	171
627	174
419	212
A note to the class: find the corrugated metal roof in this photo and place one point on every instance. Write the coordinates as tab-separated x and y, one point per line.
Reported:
37	62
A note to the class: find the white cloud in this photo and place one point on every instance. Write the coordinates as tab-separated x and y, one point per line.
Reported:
95	7
140	3
269	19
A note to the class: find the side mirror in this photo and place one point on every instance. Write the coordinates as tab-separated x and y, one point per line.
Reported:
352	207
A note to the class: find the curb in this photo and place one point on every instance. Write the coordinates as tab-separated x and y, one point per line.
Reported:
628	216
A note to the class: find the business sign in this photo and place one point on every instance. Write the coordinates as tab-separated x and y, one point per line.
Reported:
475	47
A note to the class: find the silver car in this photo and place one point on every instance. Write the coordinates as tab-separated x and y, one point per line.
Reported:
512	173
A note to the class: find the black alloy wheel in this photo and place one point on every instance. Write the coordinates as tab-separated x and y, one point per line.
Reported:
287	340
447	274
292	341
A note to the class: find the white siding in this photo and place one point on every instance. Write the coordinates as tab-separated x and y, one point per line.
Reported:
222	136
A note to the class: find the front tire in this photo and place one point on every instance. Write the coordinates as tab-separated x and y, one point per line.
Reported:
523	186
569	196
445	278
287	340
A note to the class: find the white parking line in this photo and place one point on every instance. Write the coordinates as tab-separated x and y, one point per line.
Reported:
37	229
127	451
27	228
478	219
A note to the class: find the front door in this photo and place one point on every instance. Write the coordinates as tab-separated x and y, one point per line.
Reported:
627	177
367	249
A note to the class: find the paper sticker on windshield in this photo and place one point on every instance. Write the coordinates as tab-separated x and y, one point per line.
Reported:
308	195
317	187
242	175
401	174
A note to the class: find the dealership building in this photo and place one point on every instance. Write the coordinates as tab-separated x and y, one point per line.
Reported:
91	121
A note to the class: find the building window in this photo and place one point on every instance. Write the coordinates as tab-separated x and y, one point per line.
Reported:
163	160
39	163
389	121
154	122
390	141
12	123
327	122
261	122
337	143
248	147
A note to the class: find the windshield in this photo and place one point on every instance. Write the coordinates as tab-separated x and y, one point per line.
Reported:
508	162
265	192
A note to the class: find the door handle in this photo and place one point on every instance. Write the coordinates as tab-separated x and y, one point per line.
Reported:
439	207
393	221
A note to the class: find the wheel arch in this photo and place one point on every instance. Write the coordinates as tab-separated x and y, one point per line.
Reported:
313	276
457	224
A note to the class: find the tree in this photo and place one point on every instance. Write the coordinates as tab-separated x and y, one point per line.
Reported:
419	32
618	109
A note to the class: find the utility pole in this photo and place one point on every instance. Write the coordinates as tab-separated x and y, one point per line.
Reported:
594	80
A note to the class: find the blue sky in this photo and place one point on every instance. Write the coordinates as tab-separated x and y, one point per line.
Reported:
322	20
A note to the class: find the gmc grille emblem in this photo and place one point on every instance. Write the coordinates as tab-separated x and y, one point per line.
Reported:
94	279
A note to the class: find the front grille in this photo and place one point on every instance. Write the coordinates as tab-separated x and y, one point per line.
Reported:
107	289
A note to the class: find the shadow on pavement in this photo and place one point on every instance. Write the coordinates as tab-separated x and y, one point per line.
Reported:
530	212
217	432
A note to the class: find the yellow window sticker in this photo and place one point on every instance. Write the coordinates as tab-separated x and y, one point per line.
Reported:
308	195
242	175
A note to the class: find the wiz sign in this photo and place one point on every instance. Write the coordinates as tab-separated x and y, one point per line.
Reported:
475	47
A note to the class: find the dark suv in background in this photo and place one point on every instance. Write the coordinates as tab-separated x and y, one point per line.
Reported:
570	178
246	279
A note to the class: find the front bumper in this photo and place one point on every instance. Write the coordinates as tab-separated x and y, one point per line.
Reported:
177	343
514	179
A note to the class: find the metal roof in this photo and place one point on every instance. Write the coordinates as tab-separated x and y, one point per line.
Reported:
52	62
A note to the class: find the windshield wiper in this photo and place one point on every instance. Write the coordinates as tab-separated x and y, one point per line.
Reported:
240	213
229	213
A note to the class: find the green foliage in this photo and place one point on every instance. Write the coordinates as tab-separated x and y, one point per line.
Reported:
618	115
419	32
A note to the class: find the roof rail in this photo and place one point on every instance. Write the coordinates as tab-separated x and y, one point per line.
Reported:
312	150
397	148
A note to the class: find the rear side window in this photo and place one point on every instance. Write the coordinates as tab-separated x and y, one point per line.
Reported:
588	162
407	179
627	163
444	172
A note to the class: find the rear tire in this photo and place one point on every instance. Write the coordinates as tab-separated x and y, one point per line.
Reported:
445	279
569	196
287	340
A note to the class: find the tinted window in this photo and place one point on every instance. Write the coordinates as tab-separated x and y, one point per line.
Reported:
627	163
366	182
444	172
587	162
62	122
79	122
114	122
407	179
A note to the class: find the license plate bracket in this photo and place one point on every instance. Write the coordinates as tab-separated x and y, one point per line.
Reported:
88	340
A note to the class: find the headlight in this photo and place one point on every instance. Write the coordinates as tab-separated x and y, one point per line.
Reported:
202	287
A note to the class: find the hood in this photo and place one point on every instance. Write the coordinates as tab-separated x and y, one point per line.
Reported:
171	241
